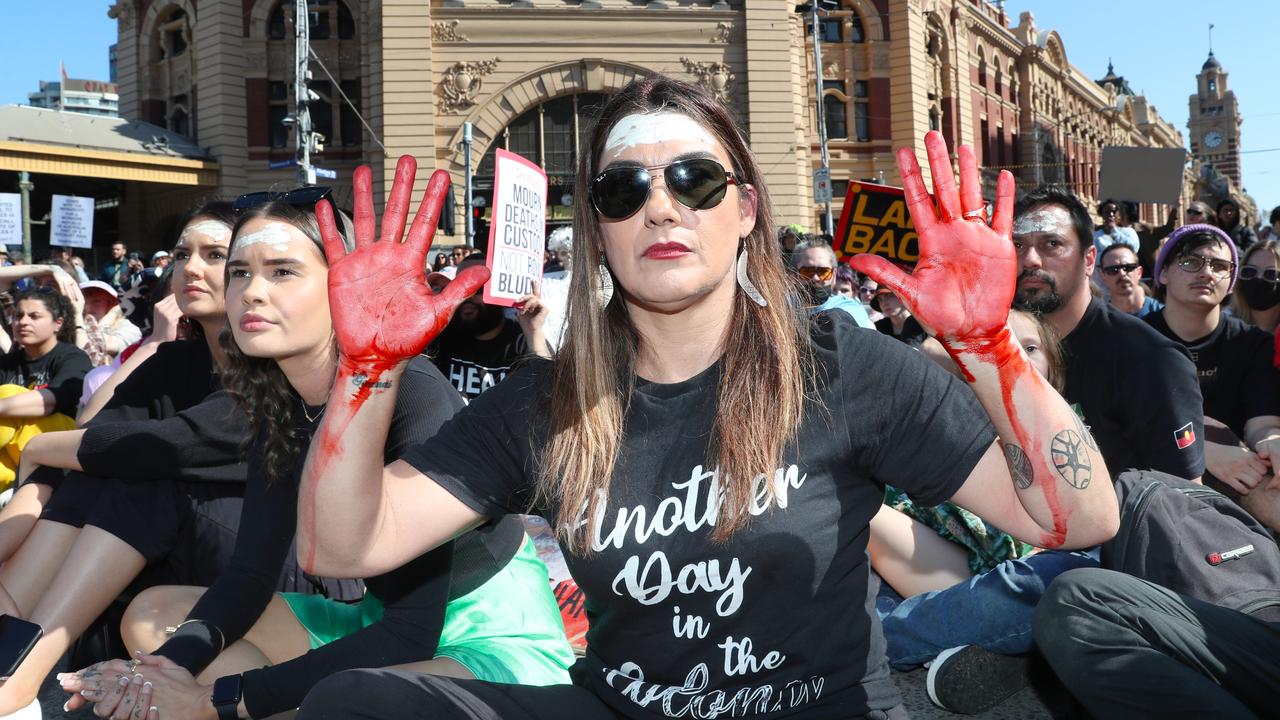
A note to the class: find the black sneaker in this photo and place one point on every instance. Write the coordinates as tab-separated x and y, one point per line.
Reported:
968	679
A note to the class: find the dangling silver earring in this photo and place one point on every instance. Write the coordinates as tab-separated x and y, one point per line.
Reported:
606	285
747	286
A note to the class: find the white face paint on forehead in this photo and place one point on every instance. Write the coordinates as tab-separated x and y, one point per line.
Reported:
1042	220
653	128
210	228
275	234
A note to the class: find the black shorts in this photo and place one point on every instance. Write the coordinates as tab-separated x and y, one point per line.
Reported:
186	531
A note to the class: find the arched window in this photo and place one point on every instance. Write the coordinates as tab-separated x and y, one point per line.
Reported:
982	67
999	78
1013	82
551	135
835	112
167	80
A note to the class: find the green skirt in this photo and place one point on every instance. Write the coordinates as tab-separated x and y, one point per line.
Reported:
508	630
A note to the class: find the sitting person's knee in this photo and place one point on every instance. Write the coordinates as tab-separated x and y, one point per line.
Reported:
153	610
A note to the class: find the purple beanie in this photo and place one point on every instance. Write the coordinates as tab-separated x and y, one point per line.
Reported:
1181	233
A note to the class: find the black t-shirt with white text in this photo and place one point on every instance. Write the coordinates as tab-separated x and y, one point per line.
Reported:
61	371
1234	362
1137	390
474	366
777	621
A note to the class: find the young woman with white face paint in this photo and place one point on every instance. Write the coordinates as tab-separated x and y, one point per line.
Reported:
482	608
96	532
710	503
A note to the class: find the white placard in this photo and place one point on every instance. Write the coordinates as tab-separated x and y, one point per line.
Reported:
72	222
10	219
518	230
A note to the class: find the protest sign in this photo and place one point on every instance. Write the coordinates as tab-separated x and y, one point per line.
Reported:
10	219
517	232
72	222
1144	175
875	221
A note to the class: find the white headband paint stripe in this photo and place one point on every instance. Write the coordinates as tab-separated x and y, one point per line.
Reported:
653	128
274	234
1040	221
212	228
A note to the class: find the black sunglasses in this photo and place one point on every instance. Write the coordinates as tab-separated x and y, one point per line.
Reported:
300	197
1249	272
697	183
1122	268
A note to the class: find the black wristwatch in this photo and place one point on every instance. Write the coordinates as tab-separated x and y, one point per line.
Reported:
226	695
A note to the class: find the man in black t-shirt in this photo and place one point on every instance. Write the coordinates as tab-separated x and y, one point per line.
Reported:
479	346
1136	389
1198	267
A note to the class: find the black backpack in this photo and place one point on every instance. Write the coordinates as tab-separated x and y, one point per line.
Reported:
1194	541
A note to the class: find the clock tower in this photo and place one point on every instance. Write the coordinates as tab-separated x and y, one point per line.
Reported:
1215	121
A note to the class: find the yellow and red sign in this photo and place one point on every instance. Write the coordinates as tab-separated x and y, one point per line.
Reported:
875	221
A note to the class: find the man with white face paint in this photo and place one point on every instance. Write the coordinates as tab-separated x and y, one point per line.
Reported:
1136	389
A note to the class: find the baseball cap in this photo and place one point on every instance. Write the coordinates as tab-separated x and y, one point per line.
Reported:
159	254
99	285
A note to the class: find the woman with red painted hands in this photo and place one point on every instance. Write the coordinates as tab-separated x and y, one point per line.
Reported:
479	607
712	508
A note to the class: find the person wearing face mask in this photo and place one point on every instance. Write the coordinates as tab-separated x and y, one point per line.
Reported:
814	262
1256	299
480	345
1198	267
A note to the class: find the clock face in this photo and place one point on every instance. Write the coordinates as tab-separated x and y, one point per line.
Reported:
1212	139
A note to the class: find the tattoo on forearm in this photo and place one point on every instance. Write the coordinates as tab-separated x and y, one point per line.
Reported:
1070	459
1086	434
1019	465
361	380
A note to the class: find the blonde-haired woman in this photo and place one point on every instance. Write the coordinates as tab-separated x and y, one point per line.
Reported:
712	508
1256	299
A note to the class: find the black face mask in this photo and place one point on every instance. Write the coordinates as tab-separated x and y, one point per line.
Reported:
1259	294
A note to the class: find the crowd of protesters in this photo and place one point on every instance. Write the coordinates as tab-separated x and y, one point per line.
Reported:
297	472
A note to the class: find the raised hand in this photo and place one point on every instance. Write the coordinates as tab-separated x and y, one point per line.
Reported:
963	284
383	310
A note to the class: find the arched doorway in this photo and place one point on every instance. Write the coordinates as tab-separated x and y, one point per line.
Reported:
550	134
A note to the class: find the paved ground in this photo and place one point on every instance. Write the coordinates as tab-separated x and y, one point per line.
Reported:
1026	705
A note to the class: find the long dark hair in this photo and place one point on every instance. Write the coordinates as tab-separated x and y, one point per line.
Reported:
258	385
59	307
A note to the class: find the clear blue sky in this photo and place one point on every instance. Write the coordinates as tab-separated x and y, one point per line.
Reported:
1158	45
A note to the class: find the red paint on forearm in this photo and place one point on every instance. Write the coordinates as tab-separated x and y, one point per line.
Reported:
383	310
1005	355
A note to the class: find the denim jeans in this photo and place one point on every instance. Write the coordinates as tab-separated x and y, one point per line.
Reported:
992	610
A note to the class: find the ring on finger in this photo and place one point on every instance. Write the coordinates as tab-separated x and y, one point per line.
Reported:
974	214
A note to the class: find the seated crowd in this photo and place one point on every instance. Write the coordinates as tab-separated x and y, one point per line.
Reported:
207	458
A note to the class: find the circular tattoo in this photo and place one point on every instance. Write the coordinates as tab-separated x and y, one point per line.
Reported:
1071	459
1019	465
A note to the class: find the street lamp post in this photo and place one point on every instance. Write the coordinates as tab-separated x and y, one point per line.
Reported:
813	8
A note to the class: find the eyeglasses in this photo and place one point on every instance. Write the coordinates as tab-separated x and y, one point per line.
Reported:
301	197
1195	263
1249	272
697	183
868	291
1121	268
1191	211
821	274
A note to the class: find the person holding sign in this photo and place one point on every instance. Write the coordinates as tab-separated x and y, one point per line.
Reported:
663	441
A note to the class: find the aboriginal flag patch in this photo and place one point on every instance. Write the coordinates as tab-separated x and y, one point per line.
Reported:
1185	436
